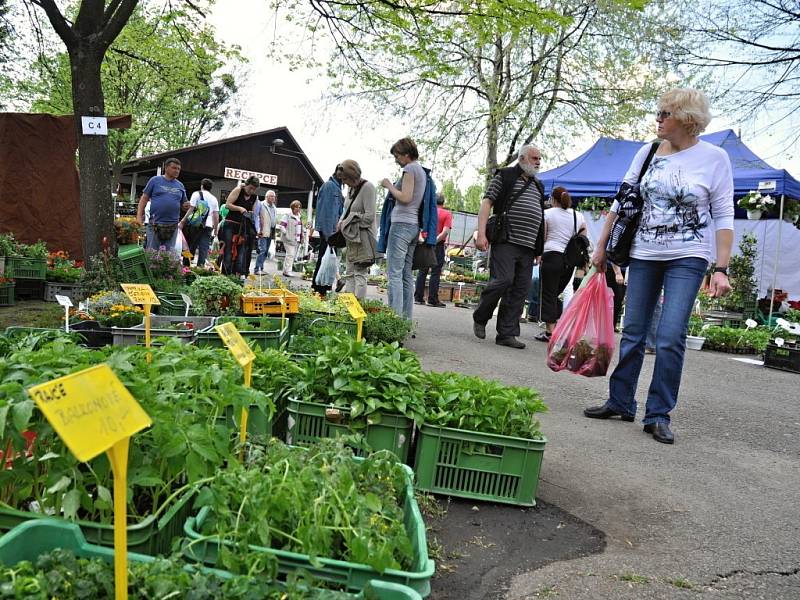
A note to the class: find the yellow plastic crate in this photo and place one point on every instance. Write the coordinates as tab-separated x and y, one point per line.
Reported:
270	303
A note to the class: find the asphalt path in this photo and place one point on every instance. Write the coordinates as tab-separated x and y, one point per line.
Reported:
717	514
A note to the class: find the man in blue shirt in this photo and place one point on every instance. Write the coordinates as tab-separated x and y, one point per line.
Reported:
329	208
166	195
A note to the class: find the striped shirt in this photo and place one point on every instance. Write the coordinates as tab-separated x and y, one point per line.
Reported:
525	215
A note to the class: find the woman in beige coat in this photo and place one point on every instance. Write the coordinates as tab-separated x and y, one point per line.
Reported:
358	225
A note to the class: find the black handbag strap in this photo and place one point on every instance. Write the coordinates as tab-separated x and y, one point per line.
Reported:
653	147
574	223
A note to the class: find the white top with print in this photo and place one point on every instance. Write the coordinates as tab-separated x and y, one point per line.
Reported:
683	194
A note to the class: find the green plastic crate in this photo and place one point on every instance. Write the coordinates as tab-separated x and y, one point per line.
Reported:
19	267
480	466
307	423
306	323
257	422
172	305
353	576
30	540
274	337
128	336
134	264
152	535
7	294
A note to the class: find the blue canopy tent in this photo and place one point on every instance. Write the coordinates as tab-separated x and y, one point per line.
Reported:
599	172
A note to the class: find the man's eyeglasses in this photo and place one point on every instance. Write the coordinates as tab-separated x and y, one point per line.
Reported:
663	114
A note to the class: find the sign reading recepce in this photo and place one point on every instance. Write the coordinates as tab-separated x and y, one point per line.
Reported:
265	178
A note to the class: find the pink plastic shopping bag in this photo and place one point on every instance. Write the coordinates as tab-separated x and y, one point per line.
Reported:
583	340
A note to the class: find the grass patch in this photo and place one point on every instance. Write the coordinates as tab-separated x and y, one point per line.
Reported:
680	582
634	578
547	591
31	313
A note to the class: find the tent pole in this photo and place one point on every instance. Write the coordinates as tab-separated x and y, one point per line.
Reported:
777	256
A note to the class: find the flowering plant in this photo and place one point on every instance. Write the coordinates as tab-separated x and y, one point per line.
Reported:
5	280
128	230
164	264
61	268
122	315
754	201
594	204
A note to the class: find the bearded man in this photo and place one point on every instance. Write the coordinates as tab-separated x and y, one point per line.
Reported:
515	195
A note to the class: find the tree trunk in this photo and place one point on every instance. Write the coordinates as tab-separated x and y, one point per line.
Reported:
97	209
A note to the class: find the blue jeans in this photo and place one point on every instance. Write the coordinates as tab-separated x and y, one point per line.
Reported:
653	329
680	278
399	258
263	252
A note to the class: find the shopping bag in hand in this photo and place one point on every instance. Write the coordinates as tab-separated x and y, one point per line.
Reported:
328	268
583	340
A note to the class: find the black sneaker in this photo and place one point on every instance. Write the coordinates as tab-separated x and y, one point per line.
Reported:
340	285
419	301
437	304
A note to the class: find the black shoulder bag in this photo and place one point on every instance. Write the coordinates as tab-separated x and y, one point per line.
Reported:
337	239
576	253
629	213
497	225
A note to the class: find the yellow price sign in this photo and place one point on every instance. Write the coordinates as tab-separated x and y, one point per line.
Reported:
140	293
90	410
353	306
235	343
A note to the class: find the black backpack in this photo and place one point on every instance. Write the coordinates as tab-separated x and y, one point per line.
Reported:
576	253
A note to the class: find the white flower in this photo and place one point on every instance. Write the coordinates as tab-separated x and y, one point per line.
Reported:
767	199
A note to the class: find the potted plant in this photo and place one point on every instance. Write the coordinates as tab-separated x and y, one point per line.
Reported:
694	337
595	205
791	211
755	204
215	295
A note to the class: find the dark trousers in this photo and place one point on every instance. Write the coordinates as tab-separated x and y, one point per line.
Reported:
619	293
554	277
322	290
510	268
436	275
241	265
197	238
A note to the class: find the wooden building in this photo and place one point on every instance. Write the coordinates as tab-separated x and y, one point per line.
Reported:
273	155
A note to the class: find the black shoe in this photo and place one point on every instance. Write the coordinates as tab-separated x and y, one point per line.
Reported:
340	285
419	301
479	330
543	337
437	304
601	412
661	432
511	342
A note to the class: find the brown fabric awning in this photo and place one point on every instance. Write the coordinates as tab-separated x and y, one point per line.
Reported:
39	186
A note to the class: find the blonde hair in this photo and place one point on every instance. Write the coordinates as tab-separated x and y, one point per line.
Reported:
689	106
351	169
295	204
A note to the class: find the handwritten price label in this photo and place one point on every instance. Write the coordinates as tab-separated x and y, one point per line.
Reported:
353	306
235	343
140	293
90	410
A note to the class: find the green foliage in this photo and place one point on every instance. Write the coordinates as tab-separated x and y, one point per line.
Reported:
264	323
103	272
752	341
60	574
318	502
186	390
741	271
9	246
166	68
792	315
695	325
473	197
164	265
594	204
170	286
366	378
382	324
476	404
215	295
494	75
